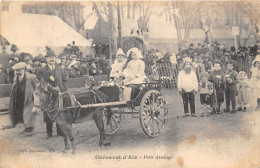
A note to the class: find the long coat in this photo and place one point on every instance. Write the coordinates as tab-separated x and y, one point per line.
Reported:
57	77
31	99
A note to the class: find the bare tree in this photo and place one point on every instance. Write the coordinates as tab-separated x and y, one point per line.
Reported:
128	9
250	10
184	14
134	9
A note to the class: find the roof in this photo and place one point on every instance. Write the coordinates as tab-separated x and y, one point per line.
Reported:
39	30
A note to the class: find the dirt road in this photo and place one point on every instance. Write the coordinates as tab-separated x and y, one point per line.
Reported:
226	140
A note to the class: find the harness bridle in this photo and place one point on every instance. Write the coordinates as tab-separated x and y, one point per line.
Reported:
58	105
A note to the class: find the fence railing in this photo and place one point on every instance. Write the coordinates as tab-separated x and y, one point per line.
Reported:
168	74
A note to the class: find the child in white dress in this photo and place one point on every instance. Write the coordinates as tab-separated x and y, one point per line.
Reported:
134	72
117	66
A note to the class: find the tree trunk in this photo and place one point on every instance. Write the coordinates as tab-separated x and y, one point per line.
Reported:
112	36
134	7
140	10
128	10
122	10
98	12
74	16
166	16
176	21
119	27
249	34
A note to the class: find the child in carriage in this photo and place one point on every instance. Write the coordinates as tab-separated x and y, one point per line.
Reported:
206	91
118	65
134	72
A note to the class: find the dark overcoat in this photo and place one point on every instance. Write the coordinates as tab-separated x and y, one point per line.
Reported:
31	99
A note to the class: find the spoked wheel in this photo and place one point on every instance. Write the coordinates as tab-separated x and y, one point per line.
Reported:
113	125
153	113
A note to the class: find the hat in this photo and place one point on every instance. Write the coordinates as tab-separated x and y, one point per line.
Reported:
48	48
159	55
33	65
120	52
50	53
217	62
19	65
198	58
186	60
14	48
257	59
210	59
38	58
63	56
43	60
204	73
232	62
74	62
136	51
242	72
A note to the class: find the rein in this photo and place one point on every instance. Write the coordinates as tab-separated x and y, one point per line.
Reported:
53	113
58	105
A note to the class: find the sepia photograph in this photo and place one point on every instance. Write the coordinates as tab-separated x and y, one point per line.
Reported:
130	84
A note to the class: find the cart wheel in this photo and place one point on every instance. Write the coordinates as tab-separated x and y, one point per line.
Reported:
153	113
112	126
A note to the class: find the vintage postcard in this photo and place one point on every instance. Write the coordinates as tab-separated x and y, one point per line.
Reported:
167	84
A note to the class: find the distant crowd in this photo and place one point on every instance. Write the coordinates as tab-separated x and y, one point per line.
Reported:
71	60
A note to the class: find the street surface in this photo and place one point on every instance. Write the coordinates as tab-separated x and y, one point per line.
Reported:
225	140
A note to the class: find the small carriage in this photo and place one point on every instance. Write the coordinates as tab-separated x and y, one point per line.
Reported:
106	108
147	103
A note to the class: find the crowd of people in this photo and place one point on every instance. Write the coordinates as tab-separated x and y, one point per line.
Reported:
217	74
71	60
210	70
52	77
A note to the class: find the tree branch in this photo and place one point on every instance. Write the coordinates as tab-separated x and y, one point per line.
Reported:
98	12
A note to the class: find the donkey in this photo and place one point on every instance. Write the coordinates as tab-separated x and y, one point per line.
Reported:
57	107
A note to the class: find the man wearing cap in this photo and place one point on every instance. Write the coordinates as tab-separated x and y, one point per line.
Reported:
74	69
24	102
37	62
104	65
55	77
64	63
74	48
14	49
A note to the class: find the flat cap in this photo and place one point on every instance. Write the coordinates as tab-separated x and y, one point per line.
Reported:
19	65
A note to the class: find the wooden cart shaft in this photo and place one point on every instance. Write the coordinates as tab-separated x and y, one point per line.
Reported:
100	105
